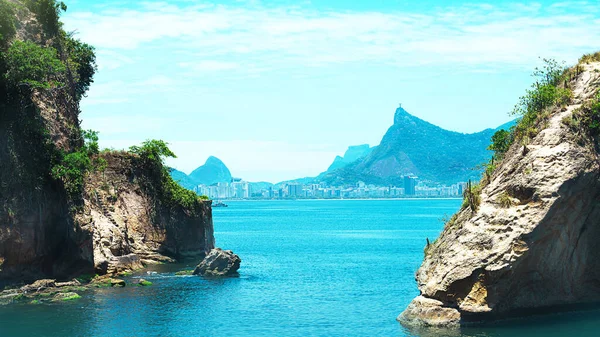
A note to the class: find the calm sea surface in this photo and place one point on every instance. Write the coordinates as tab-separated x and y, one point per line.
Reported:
310	268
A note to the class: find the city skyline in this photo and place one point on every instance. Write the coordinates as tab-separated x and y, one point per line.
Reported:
411	187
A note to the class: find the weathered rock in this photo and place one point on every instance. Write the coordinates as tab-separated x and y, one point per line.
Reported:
38	285
124	263
423	311
218	262
105	281
537	252
9	297
69	296
74	283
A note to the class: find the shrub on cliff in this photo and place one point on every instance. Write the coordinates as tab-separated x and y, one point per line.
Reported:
48	13
33	65
545	93
151	155
501	141
7	23
82	61
72	167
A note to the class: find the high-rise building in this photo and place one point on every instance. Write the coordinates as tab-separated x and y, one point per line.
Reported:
294	190
410	182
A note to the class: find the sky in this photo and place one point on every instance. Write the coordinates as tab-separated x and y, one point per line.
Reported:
277	89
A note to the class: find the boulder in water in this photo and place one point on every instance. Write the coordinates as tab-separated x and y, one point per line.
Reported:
219	262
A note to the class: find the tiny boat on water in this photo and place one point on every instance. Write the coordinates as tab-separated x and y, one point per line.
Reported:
220	204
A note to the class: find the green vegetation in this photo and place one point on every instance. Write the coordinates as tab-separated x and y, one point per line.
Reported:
549	90
71	297
472	196
82	62
587	58
29	63
505	200
151	156
48	14
60	69
7	23
585	121
185	272
144	283
72	167
501	141
86	278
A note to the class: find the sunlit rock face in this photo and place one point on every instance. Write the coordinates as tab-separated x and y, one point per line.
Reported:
533	244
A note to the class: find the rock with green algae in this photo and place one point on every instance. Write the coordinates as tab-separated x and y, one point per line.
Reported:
144	283
107	282
61	297
184	272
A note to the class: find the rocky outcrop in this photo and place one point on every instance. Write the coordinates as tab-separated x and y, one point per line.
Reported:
132	226
219	263
532	244
118	223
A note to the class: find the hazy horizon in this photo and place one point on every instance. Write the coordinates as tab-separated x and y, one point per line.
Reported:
276	91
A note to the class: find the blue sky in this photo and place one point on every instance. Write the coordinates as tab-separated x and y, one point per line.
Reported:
277	89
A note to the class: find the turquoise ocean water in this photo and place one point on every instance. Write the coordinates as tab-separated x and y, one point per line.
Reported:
310	268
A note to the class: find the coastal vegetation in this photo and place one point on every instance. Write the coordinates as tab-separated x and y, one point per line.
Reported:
150	156
549	90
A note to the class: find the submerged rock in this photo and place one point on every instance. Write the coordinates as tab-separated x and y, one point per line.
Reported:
144	283
219	262
531	244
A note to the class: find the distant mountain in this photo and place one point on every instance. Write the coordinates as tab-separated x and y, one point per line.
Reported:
352	154
213	171
414	146
183	179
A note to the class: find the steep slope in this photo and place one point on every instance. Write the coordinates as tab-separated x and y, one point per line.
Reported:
66	209
413	146
352	154
213	171
132	219
531	244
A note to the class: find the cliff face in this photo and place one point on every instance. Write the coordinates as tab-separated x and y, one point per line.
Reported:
533	243
132	224
117	221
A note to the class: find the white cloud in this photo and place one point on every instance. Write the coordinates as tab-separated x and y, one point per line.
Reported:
477	35
209	65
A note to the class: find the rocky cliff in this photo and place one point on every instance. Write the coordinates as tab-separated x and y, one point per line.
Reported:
529	242
133	224
61	214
